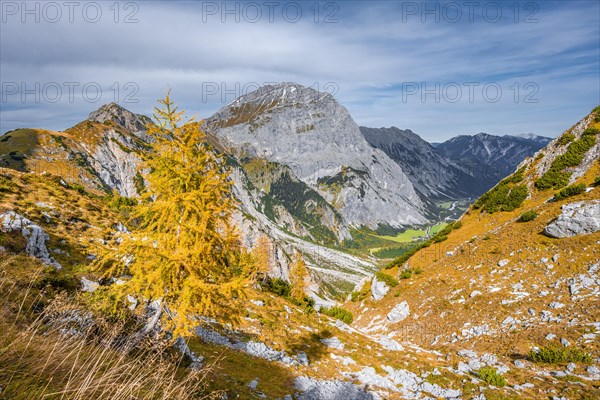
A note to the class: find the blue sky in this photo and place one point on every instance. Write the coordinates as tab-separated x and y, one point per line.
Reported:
438	68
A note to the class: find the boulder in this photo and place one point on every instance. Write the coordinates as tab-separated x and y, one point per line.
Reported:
578	218
88	285
398	313
379	289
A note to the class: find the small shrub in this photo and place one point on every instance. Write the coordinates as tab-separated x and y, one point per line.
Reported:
566	139
418	271
569	191
406	274
340	313
362	294
503	197
439	238
116	202
279	286
591	131
556	177
556	355
78	187
388	279
596	182
306	303
528	216
491	376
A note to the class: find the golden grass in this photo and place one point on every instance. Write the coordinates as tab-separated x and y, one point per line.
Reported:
50	349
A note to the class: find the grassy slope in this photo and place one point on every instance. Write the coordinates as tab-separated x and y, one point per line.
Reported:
440	301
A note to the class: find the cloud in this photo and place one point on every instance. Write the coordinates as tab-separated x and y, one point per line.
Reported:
367	58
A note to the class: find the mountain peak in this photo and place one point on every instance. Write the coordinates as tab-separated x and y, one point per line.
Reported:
282	94
121	116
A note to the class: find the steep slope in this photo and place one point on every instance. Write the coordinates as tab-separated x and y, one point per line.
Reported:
500	285
314	135
490	158
431	174
103	153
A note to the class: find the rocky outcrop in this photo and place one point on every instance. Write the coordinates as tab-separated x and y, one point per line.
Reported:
115	113
36	237
254	348
315	136
399	313
378	289
578	218
314	389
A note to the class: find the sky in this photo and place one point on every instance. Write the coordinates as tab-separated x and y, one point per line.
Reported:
438	68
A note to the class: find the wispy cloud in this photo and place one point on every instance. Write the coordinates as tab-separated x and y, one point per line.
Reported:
370	55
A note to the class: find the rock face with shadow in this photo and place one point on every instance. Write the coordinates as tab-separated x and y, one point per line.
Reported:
579	218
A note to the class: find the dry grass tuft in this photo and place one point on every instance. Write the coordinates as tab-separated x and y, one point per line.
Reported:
49	348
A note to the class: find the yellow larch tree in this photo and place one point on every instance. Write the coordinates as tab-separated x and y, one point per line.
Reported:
182	248
262	256
298	276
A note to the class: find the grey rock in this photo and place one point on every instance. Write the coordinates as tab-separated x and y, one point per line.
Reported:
431	173
464	368
195	361
36	238
121	116
519	364
88	285
565	342
333	342
474	364
379	289
491	158
594	372
556	305
503	263
313	389
253	384
302	358
488	359
258	303
389	343
550	336
399	312
132	302
577	218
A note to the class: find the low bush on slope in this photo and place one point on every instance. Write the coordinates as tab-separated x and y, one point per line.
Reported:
556	177
557	355
569	191
340	313
506	196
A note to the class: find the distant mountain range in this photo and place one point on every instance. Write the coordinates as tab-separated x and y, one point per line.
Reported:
461	167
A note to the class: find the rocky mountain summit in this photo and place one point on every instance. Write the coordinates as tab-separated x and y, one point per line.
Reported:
312	134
